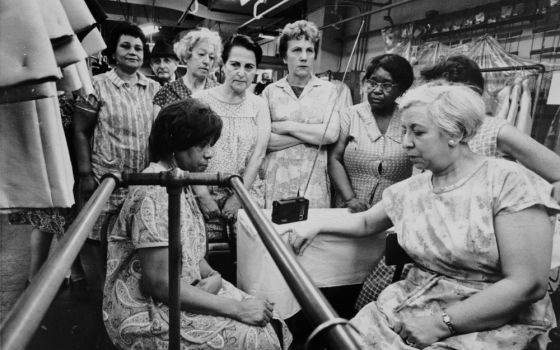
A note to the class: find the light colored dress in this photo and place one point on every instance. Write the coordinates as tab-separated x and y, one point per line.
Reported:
237	142
136	321
449	233
373	161
120	138
287	170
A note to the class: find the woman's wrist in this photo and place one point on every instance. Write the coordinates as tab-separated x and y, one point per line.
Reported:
346	202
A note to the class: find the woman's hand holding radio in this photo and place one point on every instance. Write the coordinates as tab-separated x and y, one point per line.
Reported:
301	234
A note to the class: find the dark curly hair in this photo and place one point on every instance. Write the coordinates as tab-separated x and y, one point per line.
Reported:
457	69
125	28
182	125
397	66
243	41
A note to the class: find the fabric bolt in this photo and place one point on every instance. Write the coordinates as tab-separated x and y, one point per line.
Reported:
287	170
26	54
134	320
78	14
32	131
373	161
55	19
27	92
70	79
93	42
449	233
176	91
120	138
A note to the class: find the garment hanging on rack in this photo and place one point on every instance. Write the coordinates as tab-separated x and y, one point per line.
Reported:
26	53
34	155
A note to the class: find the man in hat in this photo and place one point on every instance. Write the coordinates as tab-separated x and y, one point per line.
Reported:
163	62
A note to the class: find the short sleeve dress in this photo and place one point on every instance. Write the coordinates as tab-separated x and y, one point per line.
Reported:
136	321
449	233
287	170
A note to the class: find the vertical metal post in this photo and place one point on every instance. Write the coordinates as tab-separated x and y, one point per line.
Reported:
175	255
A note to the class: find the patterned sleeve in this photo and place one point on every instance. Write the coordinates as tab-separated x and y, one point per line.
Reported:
485	141
160	98
345	119
148	224
517	188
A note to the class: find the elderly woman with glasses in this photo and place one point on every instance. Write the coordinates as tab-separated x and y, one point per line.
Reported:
368	156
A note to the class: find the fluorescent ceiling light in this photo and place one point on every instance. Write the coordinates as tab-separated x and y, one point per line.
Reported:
149	28
267	37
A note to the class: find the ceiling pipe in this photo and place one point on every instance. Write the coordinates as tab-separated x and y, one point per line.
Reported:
256	17
388	7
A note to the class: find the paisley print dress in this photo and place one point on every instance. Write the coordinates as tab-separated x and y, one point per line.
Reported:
136	321
449	233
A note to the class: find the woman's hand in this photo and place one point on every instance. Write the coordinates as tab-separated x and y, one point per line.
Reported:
209	207
300	235
231	206
86	186
255	312
420	332
211	284
356	205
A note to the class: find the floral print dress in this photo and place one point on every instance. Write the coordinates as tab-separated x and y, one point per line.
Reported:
136	321
449	233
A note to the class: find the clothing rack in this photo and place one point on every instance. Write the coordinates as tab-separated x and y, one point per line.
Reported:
540	73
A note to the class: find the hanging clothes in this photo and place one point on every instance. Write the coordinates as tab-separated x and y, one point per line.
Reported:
26	54
34	155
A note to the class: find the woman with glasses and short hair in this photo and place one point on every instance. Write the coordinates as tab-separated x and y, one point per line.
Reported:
368	156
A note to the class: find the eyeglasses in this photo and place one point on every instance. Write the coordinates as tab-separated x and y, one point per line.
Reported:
372	84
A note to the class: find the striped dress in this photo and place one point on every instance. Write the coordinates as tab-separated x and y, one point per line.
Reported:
120	138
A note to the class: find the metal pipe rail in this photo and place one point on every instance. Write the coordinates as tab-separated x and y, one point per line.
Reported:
25	316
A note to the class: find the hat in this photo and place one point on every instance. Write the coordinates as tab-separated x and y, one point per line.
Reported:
163	49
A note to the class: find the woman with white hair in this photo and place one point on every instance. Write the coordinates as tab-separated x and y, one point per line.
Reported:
476	227
199	50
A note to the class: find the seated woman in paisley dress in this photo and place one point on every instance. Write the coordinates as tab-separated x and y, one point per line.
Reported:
215	314
477	228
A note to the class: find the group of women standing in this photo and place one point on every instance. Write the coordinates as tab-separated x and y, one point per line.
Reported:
272	142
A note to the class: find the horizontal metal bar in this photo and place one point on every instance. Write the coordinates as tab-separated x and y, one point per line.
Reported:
385	8
176	177
263	13
538	67
25	316
314	305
